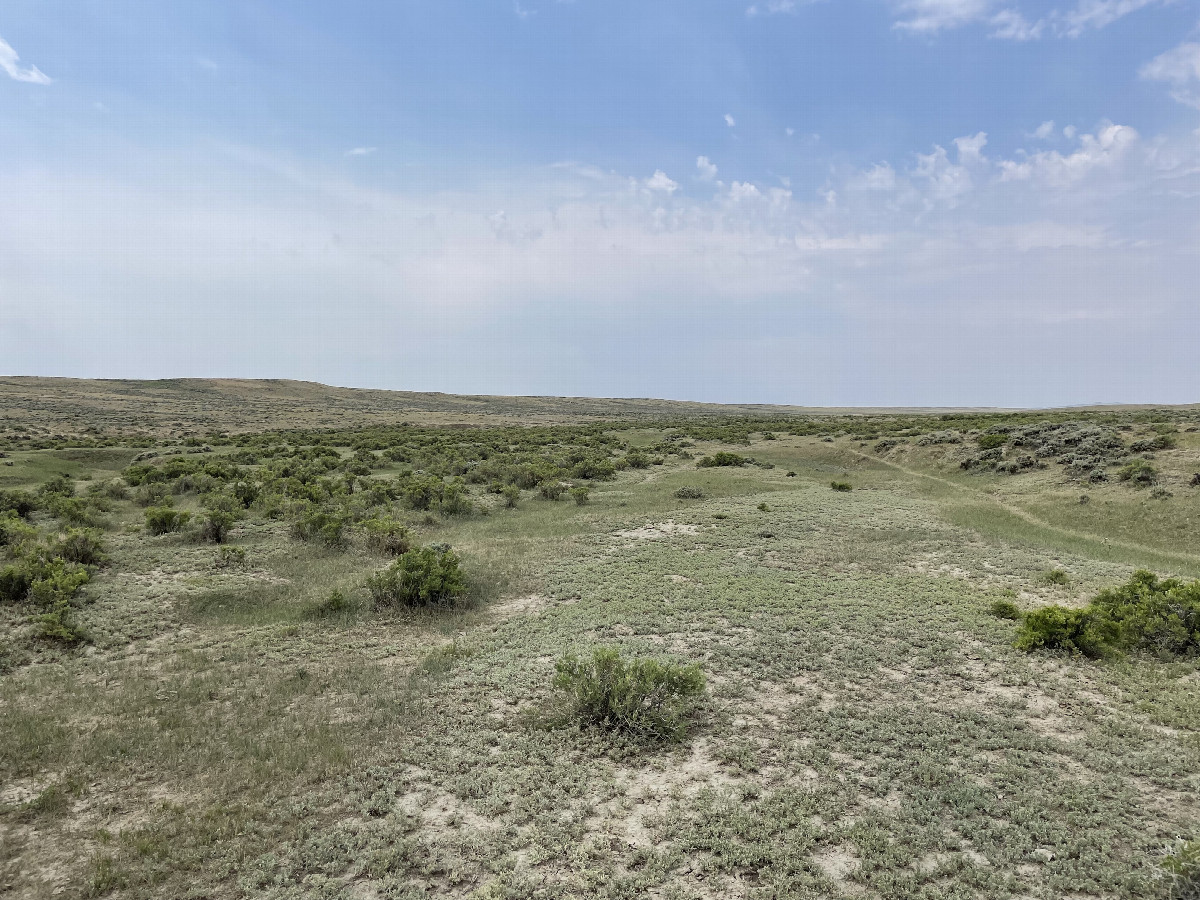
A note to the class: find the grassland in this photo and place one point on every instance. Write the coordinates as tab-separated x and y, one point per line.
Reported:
869	729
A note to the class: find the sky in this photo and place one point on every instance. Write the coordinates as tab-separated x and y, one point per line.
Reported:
814	202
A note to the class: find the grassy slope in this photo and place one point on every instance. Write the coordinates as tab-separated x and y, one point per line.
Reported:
870	730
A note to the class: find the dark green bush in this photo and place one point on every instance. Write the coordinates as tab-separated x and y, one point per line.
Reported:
387	536
1005	609
688	492
842	486
1139	473
580	493
1072	630
58	486
20	502
319	526
511	494
636	459
1146	613
991	441
163	519
76	511
430	576
80	546
153	494
220	513
642	698
722	458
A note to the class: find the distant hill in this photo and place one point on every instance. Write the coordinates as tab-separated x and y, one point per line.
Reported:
75	406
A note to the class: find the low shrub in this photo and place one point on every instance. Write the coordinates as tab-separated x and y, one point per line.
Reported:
552	489
841	486
387	537
1180	870
1159	616
430	576
58	486
221	511
722	458
688	492
1055	576
511	494
164	519
642	698
991	441
336	604
1005	609
1072	630
580	494
1139	473
318	526
636	459
80	546
76	511
20	502
230	557
154	493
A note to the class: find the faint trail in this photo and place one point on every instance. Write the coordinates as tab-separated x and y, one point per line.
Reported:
1029	517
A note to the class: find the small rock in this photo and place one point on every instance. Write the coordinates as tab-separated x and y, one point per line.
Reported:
1042	855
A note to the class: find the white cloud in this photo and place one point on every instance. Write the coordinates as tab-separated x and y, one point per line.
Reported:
1100	14
928	16
1044	131
880	177
361	151
1011	25
771	8
706	169
659	181
1104	150
743	190
8	62
1069	132
1180	68
729	120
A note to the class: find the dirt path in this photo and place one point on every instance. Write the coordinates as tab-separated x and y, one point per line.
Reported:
1029	517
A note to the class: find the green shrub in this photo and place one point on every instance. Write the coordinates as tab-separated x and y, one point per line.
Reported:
1180	870
1146	613
642	698
14	533
688	492
336	604
991	441
722	458
387	536
552	489
427	577
163	519
58	625
153	494
1055	576
1072	630
230	557
318	526
221	511
80	546
1005	609
842	486
58	486
76	511
20	502
511	494
1139	473
580	493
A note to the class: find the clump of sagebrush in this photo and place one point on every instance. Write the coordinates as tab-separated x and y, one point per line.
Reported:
319	526
642	698
722	458
841	486
430	576
220	513
1159	616
688	492
164	519
1005	609
1055	576
386	536
581	493
552	489
1179	870
991	441
1139	473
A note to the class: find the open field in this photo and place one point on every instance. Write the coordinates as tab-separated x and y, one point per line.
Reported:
210	723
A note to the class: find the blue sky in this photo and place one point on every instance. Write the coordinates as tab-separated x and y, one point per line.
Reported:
900	202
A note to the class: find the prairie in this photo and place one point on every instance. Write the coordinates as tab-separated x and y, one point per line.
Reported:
246	718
